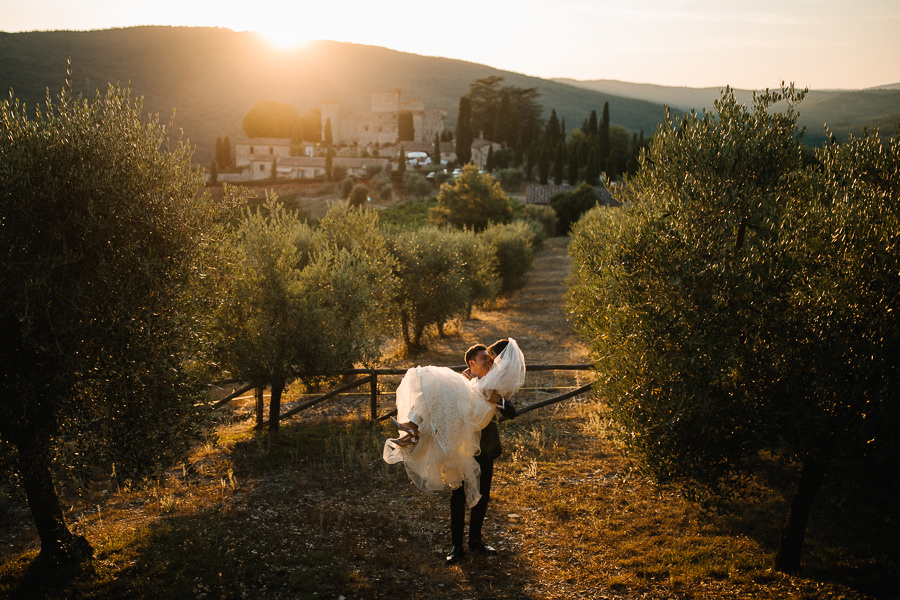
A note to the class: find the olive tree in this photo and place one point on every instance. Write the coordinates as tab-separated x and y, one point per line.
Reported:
471	200
101	226
300	302
434	273
744	304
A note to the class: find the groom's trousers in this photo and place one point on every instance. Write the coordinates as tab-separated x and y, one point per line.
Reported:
458	506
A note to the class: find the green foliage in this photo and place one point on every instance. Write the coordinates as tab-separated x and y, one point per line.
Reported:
513	245
270	119
511	179
100	231
432	280
464	134
303	302
359	195
347	186
500	112
543	220
416	184
745	302
472	200
412	214
569	206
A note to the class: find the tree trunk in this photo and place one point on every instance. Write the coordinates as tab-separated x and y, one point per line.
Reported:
275	404
60	548
260	406
404	326
811	477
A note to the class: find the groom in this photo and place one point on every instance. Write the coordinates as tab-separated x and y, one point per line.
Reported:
479	362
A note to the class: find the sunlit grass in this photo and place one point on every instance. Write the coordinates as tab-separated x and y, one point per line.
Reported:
314	512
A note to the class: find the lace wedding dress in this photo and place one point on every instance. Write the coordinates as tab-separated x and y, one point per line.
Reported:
451	411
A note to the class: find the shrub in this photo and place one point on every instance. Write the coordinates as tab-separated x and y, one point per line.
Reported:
513	245
472	200
569	206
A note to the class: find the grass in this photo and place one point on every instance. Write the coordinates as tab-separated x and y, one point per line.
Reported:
315	513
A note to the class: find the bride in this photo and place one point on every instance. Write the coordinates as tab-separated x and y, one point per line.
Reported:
446	412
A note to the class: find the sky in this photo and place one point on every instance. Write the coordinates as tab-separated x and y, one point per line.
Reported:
820	44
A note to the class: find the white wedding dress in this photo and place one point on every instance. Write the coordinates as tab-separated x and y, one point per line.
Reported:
451	411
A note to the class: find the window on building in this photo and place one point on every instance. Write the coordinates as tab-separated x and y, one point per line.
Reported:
271	150
251	149
262	167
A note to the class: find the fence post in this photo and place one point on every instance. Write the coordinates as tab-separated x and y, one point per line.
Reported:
259	407
373	397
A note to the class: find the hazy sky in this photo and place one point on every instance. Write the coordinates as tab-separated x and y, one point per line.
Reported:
697	43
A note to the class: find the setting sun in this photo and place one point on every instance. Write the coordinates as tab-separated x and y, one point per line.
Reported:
284	35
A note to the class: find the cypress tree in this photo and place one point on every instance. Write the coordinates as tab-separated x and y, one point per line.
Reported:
574	164
226	151
530	159
591	128
436	159
219	156
604	135
328	135
464	130
592	168
551	132
544	165
559	163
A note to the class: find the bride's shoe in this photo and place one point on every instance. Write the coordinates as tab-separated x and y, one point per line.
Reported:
409	428
404	441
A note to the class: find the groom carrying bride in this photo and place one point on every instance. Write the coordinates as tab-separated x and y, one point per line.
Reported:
451	437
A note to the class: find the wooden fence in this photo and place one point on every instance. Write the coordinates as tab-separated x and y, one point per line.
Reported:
370	376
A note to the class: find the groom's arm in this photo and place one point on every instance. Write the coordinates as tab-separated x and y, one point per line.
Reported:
506	408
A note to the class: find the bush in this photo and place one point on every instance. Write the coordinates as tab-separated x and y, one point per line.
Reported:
546	223
432	280
513	245
472	200
511	179
359	195
347	186
569	206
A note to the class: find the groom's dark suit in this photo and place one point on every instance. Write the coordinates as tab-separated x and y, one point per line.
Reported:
490	451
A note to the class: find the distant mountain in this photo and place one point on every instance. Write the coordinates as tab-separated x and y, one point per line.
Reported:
844	111
211	77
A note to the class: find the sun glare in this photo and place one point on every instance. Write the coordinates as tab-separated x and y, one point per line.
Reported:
285	36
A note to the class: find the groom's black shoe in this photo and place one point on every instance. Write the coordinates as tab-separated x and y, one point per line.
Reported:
456	555
482	547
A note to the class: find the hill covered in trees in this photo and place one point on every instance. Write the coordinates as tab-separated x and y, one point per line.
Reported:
844	111
211	77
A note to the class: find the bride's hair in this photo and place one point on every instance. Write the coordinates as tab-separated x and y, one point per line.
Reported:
497	347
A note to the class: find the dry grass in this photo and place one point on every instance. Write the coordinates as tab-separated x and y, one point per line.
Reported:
318	514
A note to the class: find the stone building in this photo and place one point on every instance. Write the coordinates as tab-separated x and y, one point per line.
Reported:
380	126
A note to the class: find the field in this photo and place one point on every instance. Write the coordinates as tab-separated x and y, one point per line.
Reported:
318	514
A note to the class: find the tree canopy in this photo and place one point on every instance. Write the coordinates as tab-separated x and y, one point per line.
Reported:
101	228
743	307
471	200
271	119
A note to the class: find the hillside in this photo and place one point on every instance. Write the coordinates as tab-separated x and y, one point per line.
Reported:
844	111
211	77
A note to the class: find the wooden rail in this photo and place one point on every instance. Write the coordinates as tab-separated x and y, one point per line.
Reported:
371	377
